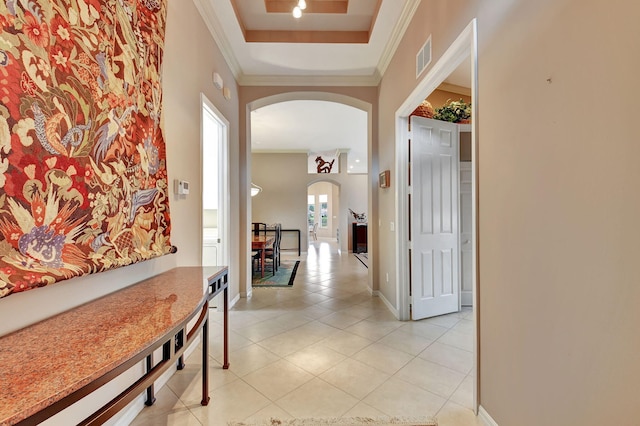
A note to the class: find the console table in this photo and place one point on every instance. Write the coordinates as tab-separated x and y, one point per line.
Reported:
52	364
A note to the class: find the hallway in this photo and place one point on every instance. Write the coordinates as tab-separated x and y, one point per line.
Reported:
325	348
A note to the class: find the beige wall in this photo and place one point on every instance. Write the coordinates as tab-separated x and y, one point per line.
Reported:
557	211
443	21
285	180
191	57
440	97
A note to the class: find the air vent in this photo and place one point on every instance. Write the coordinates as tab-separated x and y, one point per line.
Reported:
423	58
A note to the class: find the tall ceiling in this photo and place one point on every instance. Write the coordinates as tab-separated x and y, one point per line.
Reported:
338	42
334	42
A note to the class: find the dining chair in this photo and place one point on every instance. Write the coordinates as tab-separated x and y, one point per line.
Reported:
259	228
314	231
255	259
272	253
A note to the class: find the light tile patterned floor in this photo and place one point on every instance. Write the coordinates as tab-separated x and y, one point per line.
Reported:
325	348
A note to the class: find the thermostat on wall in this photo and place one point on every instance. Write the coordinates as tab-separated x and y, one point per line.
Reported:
181	187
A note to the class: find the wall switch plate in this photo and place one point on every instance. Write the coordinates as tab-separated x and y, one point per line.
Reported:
392	226
181	187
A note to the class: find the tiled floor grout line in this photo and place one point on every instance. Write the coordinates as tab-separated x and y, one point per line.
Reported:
320	308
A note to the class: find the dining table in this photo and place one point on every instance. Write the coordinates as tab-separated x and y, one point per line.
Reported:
261	242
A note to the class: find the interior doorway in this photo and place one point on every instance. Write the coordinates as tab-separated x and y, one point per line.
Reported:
464	48
215	185
323	205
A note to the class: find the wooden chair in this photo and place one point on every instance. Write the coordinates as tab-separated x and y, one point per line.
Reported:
259	228
255	259
273	253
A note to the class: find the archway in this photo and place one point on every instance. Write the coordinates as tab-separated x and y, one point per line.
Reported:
246	171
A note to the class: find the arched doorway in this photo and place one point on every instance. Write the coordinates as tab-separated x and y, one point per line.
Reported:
369	183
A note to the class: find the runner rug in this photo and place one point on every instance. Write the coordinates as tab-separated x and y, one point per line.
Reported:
341	421
283	277
363	258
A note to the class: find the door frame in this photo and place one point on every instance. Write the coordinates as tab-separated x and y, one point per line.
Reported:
463	48
223	176
372	181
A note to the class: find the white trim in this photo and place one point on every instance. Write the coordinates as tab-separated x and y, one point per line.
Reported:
209	17
388	304
316	96
128	414
410	8
233	301
224	227
309	80
205	9
448	62
463	48
485	418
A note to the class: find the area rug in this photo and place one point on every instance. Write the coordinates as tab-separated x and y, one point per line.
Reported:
283	277
363	258
341	421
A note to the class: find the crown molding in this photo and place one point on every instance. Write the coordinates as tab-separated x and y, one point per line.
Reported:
410	8
214	26
308	80
294	151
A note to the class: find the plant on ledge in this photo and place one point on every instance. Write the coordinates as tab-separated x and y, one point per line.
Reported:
454	111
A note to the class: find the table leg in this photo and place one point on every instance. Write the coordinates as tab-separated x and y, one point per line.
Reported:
262	257
226	329
205	362
151	398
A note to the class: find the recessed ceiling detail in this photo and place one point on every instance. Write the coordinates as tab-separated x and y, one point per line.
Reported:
323	21
318	6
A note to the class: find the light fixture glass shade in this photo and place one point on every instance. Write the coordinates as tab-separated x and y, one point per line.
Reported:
297	12
255	189
302	4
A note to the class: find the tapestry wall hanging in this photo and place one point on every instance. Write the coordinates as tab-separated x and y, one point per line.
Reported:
83	179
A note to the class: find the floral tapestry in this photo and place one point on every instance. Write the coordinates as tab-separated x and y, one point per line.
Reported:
83	180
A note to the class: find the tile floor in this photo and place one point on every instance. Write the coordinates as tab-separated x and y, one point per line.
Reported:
325	348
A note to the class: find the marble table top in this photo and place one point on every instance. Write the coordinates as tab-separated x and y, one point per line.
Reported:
51	359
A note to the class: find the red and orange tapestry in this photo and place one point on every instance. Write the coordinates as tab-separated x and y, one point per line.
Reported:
83	180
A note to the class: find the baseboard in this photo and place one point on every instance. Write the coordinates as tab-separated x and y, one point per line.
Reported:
388	304
485	418
135	407
233	301
129	413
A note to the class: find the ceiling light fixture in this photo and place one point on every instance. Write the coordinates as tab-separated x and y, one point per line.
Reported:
255	189
297	13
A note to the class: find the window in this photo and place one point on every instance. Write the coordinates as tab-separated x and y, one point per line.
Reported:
324	208
311	209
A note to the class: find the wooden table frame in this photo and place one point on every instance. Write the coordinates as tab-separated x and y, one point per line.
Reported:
260	242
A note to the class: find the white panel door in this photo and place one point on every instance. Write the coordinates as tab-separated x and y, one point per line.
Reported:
434	218
466	235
